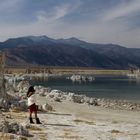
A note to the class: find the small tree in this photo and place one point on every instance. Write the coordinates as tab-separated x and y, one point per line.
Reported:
3	94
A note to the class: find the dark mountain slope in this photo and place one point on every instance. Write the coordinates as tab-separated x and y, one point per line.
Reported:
42	50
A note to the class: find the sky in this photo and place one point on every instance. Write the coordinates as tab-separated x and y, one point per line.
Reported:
95	21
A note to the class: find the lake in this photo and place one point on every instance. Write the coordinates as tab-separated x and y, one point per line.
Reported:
102	87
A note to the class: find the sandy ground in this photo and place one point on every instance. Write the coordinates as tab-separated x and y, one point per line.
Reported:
72	121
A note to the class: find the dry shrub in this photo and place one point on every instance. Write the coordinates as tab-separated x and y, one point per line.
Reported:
77	121
115	131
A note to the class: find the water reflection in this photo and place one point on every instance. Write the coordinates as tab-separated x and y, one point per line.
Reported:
102	87
134	80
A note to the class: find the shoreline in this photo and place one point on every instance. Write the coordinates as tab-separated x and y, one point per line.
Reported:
93	93
60	96
71	116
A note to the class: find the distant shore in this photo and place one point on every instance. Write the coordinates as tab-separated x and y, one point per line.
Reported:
62	70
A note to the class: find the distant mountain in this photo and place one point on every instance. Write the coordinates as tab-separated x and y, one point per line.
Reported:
42	50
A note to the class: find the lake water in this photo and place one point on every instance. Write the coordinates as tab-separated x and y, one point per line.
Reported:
102	87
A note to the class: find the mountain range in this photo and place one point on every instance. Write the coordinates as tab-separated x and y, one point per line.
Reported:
42	50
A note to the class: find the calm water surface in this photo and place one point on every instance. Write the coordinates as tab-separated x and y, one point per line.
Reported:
103	87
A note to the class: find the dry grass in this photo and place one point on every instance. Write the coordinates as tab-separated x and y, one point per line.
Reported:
43	137
70	137
4	136
115	122
15	109
115	131
22	138
34	128
68	130
18	115
37	131
78	121
69	134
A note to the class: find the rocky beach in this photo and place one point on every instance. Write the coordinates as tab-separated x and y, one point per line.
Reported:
68	116
70	70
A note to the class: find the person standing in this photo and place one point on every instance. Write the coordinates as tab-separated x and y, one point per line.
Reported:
32	105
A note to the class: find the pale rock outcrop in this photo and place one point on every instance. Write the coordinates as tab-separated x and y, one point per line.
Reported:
12	127
69	97
23	86
78	98
47	107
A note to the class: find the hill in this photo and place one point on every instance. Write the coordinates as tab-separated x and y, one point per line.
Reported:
42	50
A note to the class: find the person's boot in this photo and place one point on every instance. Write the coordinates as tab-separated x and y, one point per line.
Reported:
38	121
31	120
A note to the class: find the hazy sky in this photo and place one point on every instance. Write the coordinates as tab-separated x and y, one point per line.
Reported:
97	21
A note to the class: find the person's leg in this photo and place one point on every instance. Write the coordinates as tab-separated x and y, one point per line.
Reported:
30	117
35	114
37	119
30	114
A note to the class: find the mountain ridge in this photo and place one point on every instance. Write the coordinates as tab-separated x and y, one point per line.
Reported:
42	50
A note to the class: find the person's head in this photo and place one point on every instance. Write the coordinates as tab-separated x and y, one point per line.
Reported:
31	89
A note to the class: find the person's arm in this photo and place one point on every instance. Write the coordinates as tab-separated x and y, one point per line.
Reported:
30	93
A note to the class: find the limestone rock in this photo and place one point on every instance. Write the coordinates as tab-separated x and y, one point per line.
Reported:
47	107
